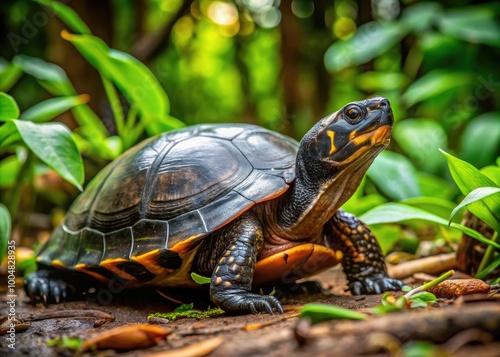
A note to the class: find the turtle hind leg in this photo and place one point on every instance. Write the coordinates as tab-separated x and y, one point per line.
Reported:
49	286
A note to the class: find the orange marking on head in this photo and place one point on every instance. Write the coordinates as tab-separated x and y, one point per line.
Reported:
331	135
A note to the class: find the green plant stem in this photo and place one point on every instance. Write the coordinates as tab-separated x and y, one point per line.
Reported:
488	255
15	195
430	284
114	102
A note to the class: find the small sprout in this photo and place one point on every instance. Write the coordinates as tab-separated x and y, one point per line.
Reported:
186	311
413	298
200	279
184	307
323	312
70	343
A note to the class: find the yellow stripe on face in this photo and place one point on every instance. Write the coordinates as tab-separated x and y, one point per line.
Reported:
331	135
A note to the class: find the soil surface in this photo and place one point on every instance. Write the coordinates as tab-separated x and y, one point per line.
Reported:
461	329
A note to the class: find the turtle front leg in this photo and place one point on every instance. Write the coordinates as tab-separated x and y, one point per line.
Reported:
363	261
233	274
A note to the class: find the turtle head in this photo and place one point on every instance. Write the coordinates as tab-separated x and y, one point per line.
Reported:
358	131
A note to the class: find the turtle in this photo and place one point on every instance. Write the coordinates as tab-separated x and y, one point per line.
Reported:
237	203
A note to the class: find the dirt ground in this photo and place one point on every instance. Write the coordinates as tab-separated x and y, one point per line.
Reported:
459	329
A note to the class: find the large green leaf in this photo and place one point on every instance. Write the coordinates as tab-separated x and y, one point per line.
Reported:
5	227
397	212
481	139
9	75
381	81
55	81
420	16
434	83
139	85
475	24
370	41
67	15
475	195
434	205
52	75
53	144
468	178
51	108
420	139
8	107
7	131
394	175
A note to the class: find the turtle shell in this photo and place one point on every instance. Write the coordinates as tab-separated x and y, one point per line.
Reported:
167	194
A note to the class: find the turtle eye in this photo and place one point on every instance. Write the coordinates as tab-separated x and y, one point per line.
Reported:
353	114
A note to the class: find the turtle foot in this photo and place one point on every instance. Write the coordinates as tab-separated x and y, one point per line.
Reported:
375	284
47	286
245	302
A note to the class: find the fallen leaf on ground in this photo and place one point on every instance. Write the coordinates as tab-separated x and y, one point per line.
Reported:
453	288
199	349
129	337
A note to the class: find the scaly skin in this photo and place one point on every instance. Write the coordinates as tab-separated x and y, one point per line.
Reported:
232	277
363	261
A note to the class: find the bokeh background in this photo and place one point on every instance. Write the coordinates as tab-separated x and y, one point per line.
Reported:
280	64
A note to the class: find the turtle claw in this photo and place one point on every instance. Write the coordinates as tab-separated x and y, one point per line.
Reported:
46	286
242	303
374	285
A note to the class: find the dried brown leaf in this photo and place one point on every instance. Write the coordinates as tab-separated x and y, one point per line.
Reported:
199	349
129	337
457	287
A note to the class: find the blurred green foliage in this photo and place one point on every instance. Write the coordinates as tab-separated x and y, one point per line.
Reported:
129	69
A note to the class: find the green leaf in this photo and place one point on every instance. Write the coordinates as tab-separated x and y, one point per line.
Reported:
49	73
493	173
5	227
394	175
381	81
434	83
475	24
184	307
420	16
139	86
70	343
53	144
51	108
200	279
488	269
8	107
475	195
9	74
323	312
437	206
7	132
484	129
67	15
424	296
387	236
420	139
370	41
468	178
397	212
55	81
